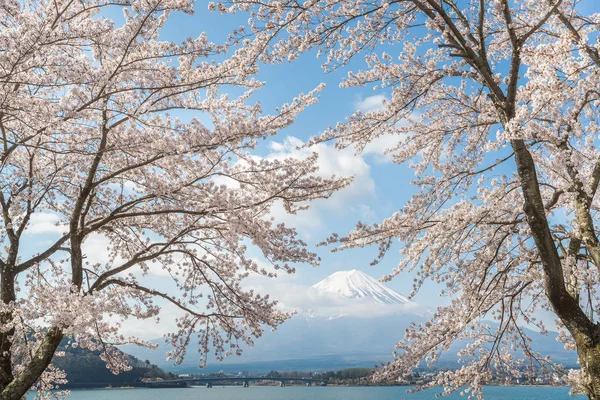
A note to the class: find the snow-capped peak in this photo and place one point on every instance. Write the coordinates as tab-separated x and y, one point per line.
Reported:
357	284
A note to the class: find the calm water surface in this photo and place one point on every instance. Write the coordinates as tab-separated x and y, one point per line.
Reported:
312	393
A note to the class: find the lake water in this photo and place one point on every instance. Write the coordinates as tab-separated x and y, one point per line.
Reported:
314	393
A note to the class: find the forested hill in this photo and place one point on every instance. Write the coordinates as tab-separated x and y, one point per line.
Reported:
85	369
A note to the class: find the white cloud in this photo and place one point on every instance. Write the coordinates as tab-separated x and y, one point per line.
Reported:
378	147
371	103
344	163
331	161
45	222
291	296
150	329
366	212
96	249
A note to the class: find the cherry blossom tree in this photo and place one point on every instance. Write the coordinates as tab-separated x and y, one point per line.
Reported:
494	103
120	135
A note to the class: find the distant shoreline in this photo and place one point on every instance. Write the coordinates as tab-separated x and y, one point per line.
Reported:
291	385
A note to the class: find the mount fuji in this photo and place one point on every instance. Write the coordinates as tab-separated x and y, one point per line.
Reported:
347	319
358	285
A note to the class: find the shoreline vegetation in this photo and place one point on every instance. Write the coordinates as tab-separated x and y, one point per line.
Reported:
87	371
349	377
297	385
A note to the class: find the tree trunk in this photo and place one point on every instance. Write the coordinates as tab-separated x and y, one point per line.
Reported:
7	295
21	384
589	361
565	304
15	387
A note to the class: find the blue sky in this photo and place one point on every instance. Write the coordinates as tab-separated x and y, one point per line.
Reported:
379	189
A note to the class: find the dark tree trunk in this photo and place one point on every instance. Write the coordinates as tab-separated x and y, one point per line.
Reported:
565	304
15	387
589	361
21	383
7	295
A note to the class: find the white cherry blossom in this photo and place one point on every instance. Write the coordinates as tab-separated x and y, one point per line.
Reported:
116	133
494	103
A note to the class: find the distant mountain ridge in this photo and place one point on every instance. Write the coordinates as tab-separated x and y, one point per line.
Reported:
365	335
85	369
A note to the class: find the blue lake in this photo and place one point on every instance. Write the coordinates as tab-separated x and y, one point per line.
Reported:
313	393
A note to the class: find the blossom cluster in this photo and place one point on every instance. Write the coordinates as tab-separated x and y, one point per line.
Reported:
120	135
494	104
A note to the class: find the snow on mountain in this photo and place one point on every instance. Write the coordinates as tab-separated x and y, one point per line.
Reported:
348	319
358	285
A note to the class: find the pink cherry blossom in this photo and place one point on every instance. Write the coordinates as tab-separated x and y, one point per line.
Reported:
494	104
124	136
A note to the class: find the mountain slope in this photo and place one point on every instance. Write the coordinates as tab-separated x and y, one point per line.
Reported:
358	285
362	331
361	334
85	369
